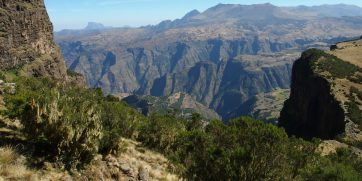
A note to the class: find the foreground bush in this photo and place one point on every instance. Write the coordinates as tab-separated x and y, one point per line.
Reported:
118	121
69	124
62	123
244	149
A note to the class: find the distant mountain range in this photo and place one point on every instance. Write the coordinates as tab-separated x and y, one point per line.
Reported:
223	57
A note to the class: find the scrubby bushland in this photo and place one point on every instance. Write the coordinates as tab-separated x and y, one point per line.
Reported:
244	149
325	62
67	123
337	68
354	112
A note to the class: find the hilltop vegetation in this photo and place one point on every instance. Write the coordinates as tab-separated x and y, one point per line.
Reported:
336	68
333	68
70	125
245	149
324	99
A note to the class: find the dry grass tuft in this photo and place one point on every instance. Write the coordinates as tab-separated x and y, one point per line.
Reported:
138	159
12	166
7	156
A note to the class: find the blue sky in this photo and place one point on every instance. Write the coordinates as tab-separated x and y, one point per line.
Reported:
74	14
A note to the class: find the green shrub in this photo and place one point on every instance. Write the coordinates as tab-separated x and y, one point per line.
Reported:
57	121
334	172
343	165
161	131
354	112
69	124
119	120
244	149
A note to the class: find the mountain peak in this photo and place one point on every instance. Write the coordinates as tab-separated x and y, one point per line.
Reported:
191	14
95	26
264	5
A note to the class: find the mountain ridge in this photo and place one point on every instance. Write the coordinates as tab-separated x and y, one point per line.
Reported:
271	11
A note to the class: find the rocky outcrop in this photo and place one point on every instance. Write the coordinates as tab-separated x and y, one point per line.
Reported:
326	94
311	110
136	163
26	39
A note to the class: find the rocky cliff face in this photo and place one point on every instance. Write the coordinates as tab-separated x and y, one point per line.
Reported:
227	86
311	110
212	72
326	94
26	39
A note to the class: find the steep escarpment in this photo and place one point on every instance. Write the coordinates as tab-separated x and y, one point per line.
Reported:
227	85
137	67
26	39
203	69
311	110
325	95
